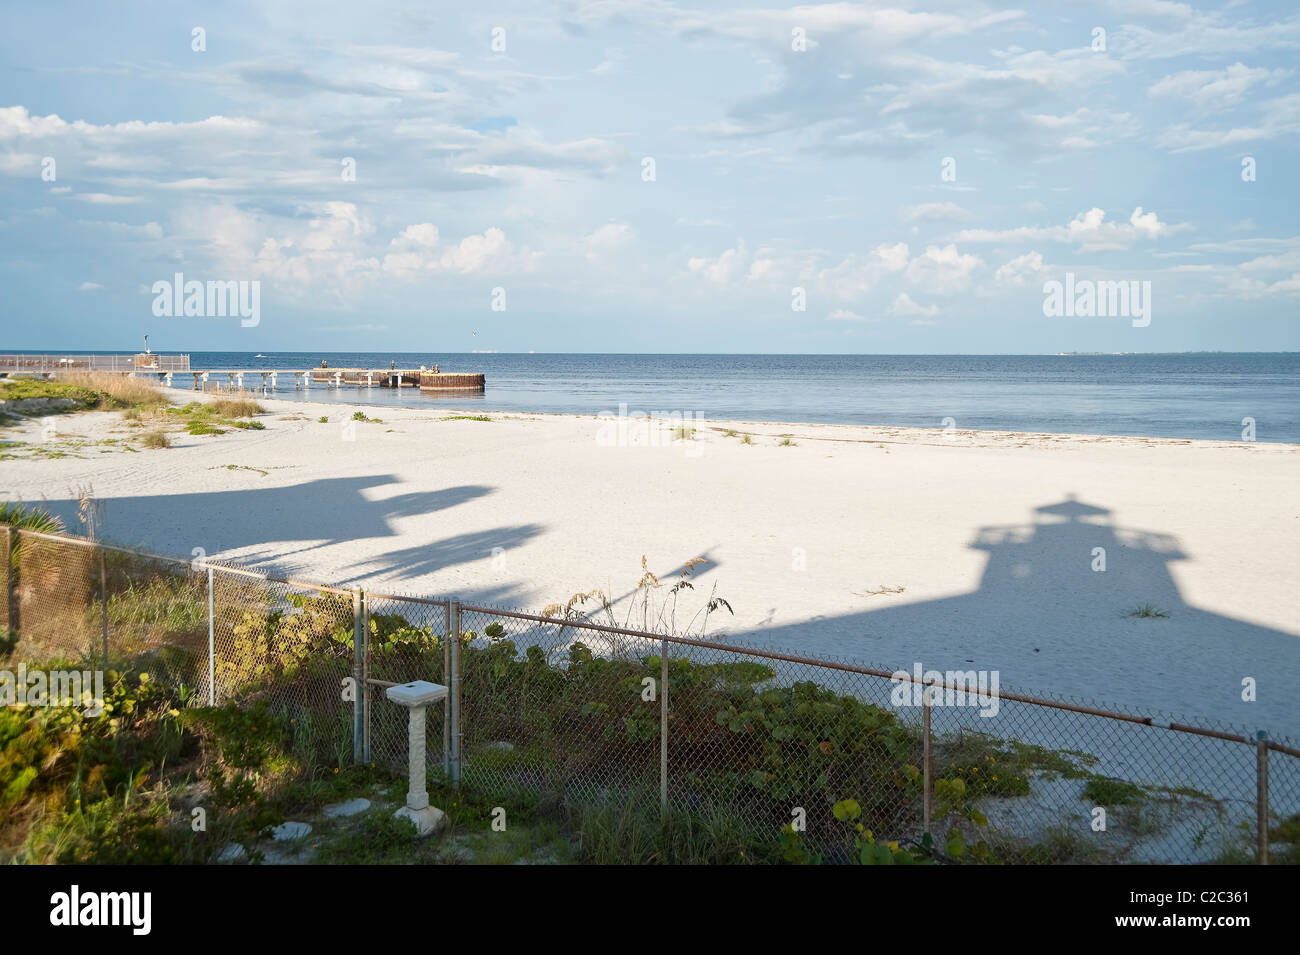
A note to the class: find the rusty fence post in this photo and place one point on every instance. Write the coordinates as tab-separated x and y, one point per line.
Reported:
1261	797
365	677
446	700
358	677
212	642
925	758
663	726
103	603
453	685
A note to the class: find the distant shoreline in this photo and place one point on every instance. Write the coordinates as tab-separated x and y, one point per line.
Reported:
441	407
504	353
1201	396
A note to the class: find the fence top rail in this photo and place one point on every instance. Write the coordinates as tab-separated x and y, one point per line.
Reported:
900	675
406	598
768	654
204	563
51	364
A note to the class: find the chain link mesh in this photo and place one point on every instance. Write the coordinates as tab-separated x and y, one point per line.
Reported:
406	641
565	713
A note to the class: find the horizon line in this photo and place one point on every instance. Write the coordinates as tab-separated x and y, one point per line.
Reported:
773	354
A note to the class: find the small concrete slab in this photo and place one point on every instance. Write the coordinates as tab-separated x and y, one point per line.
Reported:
501	745
288	831
342	810
417	693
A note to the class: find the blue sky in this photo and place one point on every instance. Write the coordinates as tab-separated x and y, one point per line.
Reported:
776	168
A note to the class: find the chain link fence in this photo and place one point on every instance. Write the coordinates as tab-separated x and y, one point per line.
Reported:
564	713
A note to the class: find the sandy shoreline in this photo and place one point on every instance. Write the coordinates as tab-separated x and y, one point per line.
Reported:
991	536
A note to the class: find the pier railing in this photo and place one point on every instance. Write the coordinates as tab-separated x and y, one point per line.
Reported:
52	364
814	757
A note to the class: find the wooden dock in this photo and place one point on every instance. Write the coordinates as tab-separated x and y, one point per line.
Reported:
367	377
420	378
452	381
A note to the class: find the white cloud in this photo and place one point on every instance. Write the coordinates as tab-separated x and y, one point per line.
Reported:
1020	269
419	248
869	27
16	121
1256	288
904	307
934	212
855	275
613	58
1089	230
1280	117
1150	8
19	164
1215	89
333	253
105	199
89	287
1205	35
606	240
520	150
725	269
942	270
150	230
1084	128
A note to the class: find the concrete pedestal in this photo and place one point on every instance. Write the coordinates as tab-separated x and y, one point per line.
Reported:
416	697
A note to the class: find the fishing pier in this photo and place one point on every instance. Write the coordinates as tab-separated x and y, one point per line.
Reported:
266	380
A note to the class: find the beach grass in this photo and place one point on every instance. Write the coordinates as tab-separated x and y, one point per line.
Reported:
236	407
88	390
216	417
1147	611
28	517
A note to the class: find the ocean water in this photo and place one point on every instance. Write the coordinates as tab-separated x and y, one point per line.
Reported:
1204	395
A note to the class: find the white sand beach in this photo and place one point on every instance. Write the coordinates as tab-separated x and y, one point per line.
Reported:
958	550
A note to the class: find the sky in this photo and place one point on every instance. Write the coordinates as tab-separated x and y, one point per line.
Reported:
651	175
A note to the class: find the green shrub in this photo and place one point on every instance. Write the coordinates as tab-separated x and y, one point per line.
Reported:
276	645
1101	791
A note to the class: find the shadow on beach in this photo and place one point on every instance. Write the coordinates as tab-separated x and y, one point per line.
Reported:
1049	618
304	518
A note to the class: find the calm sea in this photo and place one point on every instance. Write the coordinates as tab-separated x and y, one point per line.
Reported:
1179	396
